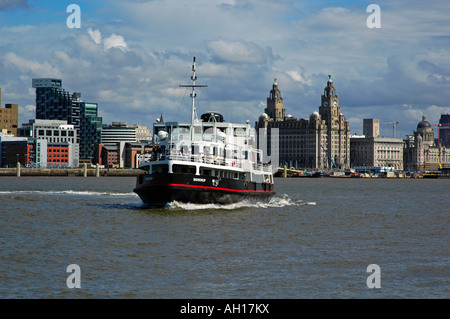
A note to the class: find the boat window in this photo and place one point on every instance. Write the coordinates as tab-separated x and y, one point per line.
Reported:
159	169
206	172
183	169
180	132
239	131
208	130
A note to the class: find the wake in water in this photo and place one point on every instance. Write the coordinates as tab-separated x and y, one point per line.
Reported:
277	201
66	192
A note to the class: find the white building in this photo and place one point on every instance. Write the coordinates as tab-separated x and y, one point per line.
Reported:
55	133
371	150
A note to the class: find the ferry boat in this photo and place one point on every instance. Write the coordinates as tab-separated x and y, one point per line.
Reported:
204	161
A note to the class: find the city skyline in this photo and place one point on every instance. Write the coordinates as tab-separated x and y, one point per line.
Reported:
130	57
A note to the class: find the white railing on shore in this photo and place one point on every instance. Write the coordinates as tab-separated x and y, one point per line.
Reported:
209	159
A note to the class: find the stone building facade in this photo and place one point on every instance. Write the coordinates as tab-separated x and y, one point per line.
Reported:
422	153
371	150
322	141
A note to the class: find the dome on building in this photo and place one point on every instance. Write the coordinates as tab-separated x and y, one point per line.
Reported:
423	124
426	132
314	116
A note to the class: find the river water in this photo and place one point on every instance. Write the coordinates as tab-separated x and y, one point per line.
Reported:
315	239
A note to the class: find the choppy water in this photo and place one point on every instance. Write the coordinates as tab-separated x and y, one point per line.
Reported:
314	240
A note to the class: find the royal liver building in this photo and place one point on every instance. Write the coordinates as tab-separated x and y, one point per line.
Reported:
322	141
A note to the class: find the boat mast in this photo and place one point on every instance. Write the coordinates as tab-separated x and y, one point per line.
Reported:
193	96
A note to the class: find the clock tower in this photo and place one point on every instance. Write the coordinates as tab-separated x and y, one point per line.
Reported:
275	107
336	141
329	96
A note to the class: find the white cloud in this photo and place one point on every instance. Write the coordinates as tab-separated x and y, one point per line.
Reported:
114	41
298	77
31	67
96	35
239	52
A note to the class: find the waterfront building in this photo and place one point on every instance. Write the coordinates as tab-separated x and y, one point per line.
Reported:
143	134
444	130
6	137
422	152
90	129
55	103
118	132
9	117
121	132
54	131
52	101
322	141
36	153
16	151
133	153
61	138
371	150
122	143
107	155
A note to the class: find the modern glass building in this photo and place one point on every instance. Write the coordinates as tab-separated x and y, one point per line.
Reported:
90	129
55	103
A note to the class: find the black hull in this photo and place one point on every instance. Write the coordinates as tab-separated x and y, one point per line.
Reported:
160	189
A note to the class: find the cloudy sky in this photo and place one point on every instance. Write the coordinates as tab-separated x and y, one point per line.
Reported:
131	56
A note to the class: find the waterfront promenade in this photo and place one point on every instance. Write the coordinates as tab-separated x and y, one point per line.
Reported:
69	172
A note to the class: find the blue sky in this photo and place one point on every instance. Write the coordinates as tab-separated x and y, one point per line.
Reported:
130	57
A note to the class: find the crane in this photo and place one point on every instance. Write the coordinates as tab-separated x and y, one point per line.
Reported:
439	161
394	124
334	164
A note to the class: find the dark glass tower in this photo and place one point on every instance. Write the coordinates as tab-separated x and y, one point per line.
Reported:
55	103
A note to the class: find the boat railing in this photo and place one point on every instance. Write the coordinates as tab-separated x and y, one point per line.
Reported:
265	167
197	158
209	159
